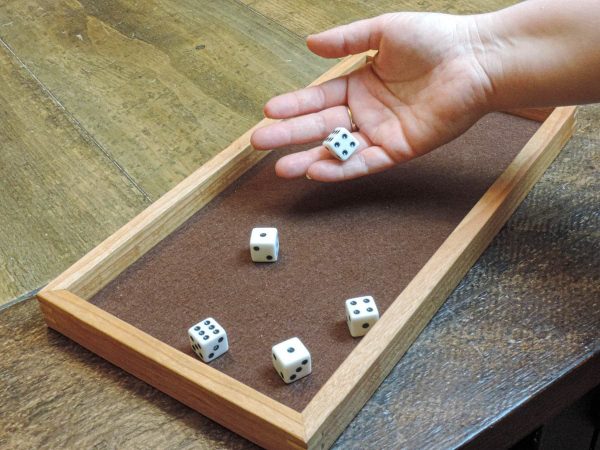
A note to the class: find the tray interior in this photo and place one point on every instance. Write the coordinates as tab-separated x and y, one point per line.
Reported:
364	237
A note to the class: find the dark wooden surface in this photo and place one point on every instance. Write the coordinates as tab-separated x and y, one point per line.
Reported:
514	343
123	99
518	338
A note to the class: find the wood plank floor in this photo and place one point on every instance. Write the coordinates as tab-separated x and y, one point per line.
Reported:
525	316
161	85
311	16
104	105
59	195
156	87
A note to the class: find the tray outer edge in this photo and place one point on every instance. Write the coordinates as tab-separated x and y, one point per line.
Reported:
318	426
361	373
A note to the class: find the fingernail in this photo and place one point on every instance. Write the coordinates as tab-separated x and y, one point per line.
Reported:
308	176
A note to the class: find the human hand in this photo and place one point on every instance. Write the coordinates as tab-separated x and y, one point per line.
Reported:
424	87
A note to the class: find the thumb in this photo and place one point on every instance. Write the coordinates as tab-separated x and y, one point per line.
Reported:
350	39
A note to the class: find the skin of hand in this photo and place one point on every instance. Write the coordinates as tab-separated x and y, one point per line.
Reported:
424	87
433	77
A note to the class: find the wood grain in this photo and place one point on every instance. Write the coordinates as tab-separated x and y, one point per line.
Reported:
516	326
308	16
214	394
370	362
162	85
59	195
152	99
67	402
353	383
116	253
56	394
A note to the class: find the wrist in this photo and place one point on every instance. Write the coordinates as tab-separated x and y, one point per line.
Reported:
536	54
491	49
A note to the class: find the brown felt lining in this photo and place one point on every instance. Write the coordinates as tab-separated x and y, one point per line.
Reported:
365	237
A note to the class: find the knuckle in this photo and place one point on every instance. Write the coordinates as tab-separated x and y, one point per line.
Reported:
321	97
321	125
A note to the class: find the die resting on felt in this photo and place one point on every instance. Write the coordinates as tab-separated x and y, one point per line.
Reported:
291	360
264	244
208	339
361	315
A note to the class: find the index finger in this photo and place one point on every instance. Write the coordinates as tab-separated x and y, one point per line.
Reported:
308	100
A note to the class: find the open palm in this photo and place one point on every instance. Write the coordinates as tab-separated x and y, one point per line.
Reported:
424	87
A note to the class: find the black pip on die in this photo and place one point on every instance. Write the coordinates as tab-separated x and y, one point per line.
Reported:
208	339
361	315
341	143
264	244
291	360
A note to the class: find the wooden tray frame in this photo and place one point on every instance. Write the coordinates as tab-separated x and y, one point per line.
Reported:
229	402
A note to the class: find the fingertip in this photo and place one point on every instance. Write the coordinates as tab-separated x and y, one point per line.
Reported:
321	44
278	171
310	42
254	143
349	39
309	175
313	37
285	170
258	141
325	171
278	107
296	165
270	110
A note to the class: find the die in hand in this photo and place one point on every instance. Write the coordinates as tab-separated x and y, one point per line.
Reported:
209	339
361	315
264	244
341	143
291	360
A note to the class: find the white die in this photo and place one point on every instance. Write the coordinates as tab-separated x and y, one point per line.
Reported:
208	339
341	143
291	360
264	244
361	315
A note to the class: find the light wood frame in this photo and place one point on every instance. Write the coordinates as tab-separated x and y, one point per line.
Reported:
230	402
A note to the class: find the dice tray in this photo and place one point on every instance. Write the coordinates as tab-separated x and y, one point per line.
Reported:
407	236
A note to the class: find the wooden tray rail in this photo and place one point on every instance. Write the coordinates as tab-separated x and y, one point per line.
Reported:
231	403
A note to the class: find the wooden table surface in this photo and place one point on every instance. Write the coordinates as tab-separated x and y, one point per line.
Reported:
104	106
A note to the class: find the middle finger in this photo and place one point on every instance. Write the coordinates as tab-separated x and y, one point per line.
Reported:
301	130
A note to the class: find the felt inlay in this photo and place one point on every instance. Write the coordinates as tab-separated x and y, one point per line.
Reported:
368	236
